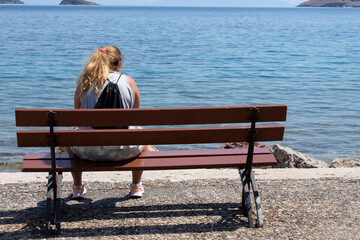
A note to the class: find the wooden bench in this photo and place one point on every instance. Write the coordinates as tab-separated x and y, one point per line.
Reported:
214	131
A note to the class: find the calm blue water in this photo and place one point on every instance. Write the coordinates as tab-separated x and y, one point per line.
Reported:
306	58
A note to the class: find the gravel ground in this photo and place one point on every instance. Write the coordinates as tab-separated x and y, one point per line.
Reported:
327	208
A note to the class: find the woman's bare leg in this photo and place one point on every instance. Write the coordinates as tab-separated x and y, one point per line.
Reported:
77	176
136	177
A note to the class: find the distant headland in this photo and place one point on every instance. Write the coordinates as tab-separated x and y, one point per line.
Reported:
64	2
77	2
330	3
11	2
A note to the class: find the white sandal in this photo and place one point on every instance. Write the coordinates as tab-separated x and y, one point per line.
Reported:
79	195
137	194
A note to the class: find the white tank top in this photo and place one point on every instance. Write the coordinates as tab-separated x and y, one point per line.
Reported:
90	98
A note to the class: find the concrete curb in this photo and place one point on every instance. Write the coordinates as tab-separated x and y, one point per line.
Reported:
179	175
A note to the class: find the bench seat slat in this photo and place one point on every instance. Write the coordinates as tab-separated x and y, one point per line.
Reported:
149	136
158	154
150	163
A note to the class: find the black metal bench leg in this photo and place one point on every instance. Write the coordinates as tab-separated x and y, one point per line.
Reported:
58	204
247	197
243	201
260	222
49	194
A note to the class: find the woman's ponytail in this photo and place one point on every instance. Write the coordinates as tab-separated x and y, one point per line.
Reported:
100	63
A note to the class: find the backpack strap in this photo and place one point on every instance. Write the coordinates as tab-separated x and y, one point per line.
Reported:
116	81
119	78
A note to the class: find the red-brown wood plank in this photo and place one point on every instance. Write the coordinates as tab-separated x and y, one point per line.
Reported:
150	116
159	154
149	136
229	161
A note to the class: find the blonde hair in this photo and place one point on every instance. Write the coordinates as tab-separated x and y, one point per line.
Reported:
96	71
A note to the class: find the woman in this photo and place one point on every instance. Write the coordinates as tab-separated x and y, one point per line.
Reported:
103	67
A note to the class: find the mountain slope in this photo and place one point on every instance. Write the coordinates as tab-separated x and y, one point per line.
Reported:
11	2
77	2
330	3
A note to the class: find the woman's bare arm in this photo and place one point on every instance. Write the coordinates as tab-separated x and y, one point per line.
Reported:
77	98
135	90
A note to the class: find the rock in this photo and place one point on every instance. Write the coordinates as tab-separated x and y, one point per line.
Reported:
152	148
10	166
77	2
345	162
11	2
288	158
330	3
244	145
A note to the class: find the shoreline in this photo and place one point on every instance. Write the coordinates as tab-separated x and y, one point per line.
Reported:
192	174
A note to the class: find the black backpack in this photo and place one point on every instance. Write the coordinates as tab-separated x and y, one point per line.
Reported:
110	98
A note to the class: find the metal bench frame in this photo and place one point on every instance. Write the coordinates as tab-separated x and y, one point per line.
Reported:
54	186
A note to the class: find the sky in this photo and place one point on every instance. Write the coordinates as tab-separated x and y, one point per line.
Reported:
203	3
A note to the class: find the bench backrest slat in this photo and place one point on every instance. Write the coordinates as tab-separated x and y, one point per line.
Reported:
143	117
149	136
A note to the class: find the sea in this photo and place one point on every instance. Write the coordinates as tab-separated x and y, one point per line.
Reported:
307	58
